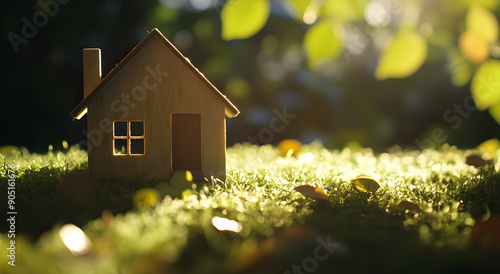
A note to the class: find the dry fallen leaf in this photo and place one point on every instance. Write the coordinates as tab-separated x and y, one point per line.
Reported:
365	183
107	217
487	233
407	206
477	161
268	255
316	193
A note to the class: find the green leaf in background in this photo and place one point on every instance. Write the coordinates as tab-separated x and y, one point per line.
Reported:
460	69
343	10
180	182
491	145
178	187
8	151
145	197
243	18
482	22
489	4
404	56
485	85
322	43
238	88
495	112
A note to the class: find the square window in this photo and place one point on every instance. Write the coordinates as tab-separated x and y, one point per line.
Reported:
128	138
136	146
136	129
120	147
120	129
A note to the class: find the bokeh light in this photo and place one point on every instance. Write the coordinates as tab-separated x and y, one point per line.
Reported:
75	239
224	224
377	14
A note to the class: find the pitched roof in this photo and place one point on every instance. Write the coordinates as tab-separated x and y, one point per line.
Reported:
81	108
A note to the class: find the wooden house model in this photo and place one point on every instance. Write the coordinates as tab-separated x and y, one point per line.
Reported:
154	114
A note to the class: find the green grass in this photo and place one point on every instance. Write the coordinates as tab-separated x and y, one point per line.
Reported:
280	227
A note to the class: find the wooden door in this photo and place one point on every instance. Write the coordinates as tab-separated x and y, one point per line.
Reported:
186	142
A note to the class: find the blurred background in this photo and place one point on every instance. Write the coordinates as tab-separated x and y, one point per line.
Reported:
336	100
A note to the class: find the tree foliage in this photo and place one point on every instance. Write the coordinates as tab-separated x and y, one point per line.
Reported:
401	31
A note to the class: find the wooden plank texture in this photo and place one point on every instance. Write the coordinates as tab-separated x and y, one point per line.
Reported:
137	93
186	142
91	70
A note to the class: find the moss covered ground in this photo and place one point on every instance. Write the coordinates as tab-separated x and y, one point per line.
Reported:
450	227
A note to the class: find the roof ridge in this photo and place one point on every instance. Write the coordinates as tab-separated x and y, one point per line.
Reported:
81	108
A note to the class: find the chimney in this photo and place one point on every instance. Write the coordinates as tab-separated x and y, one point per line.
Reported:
91	70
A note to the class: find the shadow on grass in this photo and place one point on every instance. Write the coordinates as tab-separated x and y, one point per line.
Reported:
357	236
39	206
481	194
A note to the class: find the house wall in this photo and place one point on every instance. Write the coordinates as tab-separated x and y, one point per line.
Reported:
139	92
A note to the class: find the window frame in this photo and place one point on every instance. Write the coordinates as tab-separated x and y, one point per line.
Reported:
129	138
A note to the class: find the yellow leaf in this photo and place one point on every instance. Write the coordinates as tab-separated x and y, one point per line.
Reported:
473	46
365	183
145	197
243	18
315	193
322	43
491	145
482	22
404	56
186	193
291	146
181	178
485	85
